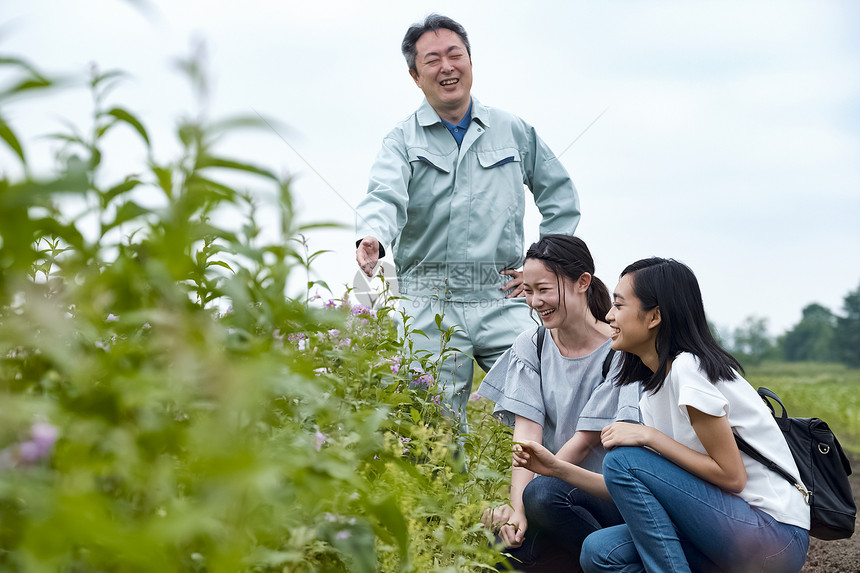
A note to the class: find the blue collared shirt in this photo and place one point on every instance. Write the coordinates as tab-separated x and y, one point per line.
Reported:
459	130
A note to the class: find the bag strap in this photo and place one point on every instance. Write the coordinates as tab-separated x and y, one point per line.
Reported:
607	362
767	395
541	334
749	450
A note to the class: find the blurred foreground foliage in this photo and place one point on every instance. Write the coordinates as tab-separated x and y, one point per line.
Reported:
166	407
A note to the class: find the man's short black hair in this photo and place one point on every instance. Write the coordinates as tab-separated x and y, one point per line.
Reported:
432	23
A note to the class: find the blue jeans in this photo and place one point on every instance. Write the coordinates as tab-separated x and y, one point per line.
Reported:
560	517
675	521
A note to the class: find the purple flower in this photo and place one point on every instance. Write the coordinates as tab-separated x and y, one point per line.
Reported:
42	439
29	451
320	438
301	338
112	318
361	309
44	435
330	304
395	368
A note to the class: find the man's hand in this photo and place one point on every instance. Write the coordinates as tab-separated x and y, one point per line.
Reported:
516	283
367	255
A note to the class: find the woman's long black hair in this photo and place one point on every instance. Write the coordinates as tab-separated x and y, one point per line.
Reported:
568	256
672	287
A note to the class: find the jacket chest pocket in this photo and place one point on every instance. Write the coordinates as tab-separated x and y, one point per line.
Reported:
501	178
431	176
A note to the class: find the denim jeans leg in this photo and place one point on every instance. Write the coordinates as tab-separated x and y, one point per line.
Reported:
560	517
671	512
612	549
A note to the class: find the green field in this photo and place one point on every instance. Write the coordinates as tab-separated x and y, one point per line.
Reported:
827	391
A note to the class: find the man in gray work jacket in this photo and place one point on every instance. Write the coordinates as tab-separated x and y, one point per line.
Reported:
446	193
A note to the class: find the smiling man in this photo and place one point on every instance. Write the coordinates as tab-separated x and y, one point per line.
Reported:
447	194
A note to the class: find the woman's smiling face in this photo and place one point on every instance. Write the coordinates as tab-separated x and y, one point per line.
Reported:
634	330
553	298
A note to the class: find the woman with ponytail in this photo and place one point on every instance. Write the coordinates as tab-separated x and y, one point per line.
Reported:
558	395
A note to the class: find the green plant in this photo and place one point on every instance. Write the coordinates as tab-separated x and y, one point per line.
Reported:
204	419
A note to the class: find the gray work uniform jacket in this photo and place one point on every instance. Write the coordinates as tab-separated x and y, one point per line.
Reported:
454	216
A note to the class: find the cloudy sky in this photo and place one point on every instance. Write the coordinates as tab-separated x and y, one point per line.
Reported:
729	136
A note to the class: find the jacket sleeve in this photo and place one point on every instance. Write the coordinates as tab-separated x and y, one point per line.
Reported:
382	212
555	196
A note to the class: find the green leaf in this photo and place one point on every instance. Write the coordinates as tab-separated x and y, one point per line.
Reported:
416	415
9	137
205	161
26	85
127	212
19	63
219	264
118	189
29	192
164	175
124	116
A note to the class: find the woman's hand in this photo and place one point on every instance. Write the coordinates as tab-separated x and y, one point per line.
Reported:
625	434
493	519
509	523
514	531
534	457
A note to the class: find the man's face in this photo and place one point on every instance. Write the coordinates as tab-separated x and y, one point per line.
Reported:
444	70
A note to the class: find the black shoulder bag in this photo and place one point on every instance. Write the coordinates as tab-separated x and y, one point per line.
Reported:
823	467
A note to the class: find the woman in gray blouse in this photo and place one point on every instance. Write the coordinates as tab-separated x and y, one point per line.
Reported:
561	397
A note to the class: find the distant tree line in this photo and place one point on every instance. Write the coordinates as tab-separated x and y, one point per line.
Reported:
820	336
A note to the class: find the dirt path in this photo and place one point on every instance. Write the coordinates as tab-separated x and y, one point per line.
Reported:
841	556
